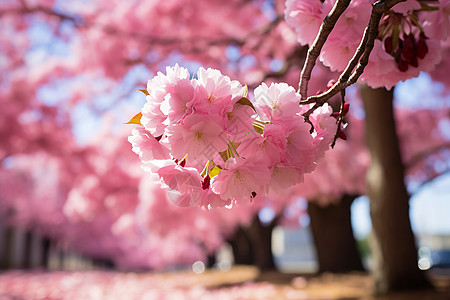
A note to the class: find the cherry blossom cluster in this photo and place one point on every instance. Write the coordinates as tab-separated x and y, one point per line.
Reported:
409	36
203	138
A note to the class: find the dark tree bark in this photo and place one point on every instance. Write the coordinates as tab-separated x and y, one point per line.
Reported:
394	249
242	248
332	232
46	244
6	259
28	250
211	260
252	245
261	239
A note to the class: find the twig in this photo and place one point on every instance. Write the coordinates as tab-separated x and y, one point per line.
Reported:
340	118
325	29
351	74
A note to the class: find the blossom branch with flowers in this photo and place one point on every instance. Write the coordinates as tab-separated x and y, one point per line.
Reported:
205	138
359	60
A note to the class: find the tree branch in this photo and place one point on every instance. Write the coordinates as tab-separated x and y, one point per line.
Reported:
314	51
359	60
361	55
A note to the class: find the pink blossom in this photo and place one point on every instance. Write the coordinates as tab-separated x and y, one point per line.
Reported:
350	26
179	100
146	146
337	52
219	93
240	122
382	71
284	177
305	16
206	124
437	23
277	102
276	134
241	180
152	115
201	137
324	125
211	200
186	181
261	148
406	7
300	147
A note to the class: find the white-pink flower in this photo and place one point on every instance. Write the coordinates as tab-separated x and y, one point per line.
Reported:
300	150
241	180
152	115
201	137
201	122
146	146
305	16
240	122
437	23
277	102
283	177
186	181
218	92
179	100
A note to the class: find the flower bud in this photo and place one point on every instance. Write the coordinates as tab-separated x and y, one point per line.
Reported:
409	48
206	182
422	48
402	65
388	45
346	109
342	135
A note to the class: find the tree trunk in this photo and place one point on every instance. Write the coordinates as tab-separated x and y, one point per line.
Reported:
6	259
261	239
252	245
394	250
46	244
242	250
27	254
332	232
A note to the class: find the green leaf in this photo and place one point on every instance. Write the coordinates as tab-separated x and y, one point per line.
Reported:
395	37
233	147
135	120
144	91
215	171
245	91
415	21
245	101
425	7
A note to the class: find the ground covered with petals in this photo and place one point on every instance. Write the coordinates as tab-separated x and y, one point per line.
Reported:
238	283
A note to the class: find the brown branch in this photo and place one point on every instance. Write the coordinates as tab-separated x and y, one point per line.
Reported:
340	118
360	58
325	29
